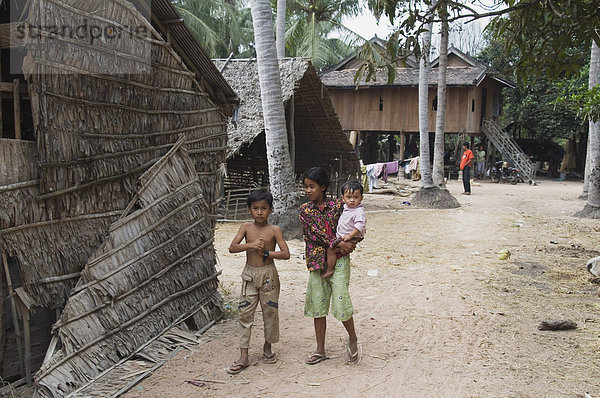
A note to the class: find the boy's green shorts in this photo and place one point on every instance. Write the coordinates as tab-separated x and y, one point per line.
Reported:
321	291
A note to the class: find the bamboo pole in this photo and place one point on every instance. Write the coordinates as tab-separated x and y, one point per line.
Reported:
76	70
17	107
81	101
13	307
157	134
18	185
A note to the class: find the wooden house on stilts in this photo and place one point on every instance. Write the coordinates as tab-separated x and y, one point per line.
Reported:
473	93
315	135
113	137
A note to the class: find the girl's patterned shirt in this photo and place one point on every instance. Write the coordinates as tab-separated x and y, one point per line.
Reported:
319	224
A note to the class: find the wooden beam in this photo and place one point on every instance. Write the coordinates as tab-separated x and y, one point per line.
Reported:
17	106
27	336
13	307
1	135
292	133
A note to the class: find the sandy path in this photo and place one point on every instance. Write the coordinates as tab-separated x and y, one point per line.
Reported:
444	317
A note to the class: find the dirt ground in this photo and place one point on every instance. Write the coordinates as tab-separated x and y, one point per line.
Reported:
442	317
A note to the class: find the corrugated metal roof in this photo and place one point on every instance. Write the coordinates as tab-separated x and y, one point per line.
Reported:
405	77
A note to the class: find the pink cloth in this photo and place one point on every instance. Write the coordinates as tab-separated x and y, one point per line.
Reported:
391	167
379	167
350	219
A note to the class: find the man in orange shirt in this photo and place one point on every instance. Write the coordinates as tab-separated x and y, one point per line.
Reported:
465	165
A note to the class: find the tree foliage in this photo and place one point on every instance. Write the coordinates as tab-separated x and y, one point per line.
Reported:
538	106
221	27
310	24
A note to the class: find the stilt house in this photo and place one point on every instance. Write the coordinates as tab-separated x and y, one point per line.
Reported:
113	131
473	93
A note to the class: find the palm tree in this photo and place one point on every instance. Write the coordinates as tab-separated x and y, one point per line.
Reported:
280	26
309	27
281	175
222	27
440	121
592	169
424	69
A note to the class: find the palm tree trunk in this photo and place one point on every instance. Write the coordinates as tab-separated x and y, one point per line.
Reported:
280	26
281	175
424	67
440	122
593	199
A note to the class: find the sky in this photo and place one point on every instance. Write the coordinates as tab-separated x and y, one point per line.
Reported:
366	25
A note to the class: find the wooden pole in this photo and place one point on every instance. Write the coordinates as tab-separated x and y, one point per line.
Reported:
402	145
13	306
2	317
292	134
1	95
353	138
27	335
17	105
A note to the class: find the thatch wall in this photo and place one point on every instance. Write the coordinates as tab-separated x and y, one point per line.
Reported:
156	266
18	183
96	134
318	136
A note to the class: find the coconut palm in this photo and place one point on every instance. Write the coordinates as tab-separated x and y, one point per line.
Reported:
424	69
440	121
281	176
310	25
222	27
592	167
280	26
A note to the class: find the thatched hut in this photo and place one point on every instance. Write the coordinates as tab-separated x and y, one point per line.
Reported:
107	211
315	134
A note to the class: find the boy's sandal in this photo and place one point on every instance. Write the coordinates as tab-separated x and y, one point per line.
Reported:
236	368
315	358
269	359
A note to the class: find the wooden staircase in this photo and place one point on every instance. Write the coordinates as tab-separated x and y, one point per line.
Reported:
509	149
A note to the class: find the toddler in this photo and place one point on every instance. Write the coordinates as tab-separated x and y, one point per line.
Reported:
352	223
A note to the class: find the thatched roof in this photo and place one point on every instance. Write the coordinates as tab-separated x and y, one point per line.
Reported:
170	24
317	127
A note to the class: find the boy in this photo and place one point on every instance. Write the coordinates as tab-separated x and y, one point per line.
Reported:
352	223
260	281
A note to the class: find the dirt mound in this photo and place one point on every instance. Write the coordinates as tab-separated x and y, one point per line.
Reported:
435	198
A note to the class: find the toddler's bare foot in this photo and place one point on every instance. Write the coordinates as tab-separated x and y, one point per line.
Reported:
327	273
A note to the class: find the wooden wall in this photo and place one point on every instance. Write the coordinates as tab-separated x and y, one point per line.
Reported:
360	109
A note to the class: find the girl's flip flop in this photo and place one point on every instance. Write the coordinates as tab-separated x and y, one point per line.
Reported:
354	357
315	358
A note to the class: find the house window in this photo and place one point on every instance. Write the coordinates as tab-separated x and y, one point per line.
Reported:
380	104
434	105
496	104
473	105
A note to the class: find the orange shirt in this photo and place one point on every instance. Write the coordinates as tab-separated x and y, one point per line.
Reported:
467	158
